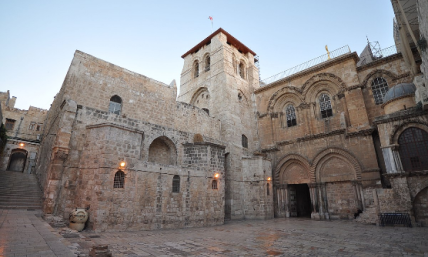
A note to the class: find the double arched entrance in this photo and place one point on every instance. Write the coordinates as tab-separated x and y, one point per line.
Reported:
329	186
17	160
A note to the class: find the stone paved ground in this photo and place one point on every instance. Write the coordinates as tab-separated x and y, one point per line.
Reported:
280	237
24	233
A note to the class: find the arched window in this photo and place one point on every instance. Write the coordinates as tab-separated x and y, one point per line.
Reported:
196	69
244	141
379	89
207	63
414	149
291	116
119	179
176	184
115	104
242	70
214	184
235	69
325	106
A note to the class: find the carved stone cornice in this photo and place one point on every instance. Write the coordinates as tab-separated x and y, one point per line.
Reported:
364	132
407	174
270	149
370	170
321	135
401	115
286	142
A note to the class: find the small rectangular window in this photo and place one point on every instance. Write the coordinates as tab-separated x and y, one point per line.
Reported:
38	127
10	124
32	125
214	184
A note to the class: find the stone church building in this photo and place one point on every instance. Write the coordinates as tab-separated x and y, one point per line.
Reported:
345	137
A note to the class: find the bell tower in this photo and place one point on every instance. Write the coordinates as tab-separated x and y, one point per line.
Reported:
219	76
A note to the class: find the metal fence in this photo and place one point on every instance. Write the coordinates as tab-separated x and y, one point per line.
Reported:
320	59
368	58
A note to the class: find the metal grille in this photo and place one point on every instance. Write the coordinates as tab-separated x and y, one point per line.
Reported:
325	106
379	89
291	116
119	179
267	186
9	124
115	105
214	184
244	141
176	184
414	149
395	219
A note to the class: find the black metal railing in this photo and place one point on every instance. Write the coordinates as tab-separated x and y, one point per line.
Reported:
395	219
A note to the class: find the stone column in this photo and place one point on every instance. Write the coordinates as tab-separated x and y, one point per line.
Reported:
314	201
325	200
287	201
356	187
320	200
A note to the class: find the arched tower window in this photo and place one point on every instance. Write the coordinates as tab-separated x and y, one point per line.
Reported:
414	149
325	106
207	63
242	70
379	89
244	141
176	184
115	104
291	116
119	179
196	69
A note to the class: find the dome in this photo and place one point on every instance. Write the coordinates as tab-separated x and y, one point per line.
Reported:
399	90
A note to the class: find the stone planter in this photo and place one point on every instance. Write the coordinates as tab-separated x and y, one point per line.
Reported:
78	218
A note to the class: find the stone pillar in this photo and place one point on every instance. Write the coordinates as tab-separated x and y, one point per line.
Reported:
363	204
320	200
314	201
357	192
324	192
287	201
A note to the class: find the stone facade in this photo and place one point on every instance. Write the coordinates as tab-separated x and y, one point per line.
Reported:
318	143
24	130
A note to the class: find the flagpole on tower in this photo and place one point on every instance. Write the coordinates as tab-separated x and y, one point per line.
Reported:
211	18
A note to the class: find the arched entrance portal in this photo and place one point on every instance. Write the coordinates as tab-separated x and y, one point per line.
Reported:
420	207
17	160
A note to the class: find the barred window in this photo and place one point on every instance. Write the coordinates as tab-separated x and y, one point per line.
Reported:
207	63
414	149
176	184
214	184
115	105
32	125
325	106
291	116
379	89
119	179
196	69
10	124
267	186
244	141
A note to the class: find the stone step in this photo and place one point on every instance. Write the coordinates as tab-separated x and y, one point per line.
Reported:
19	191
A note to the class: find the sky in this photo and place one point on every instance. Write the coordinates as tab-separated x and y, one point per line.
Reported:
38	38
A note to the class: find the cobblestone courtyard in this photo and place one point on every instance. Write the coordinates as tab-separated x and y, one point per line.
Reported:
23	233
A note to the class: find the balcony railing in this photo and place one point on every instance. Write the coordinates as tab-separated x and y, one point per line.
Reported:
320	59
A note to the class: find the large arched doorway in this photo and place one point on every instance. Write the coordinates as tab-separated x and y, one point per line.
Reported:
420	207
17	160
414	149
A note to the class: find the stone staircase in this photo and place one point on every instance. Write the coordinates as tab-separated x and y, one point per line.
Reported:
19	191
368	216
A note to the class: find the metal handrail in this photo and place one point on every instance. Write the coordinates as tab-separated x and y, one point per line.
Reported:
306	65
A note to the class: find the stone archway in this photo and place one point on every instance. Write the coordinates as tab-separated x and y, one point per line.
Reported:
420	207
17	160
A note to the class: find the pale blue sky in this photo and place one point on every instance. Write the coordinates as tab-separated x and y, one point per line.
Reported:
38	38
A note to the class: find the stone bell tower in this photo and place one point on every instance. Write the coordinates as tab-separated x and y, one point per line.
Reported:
219	76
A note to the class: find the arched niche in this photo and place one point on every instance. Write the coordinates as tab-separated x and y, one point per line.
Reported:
163	151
